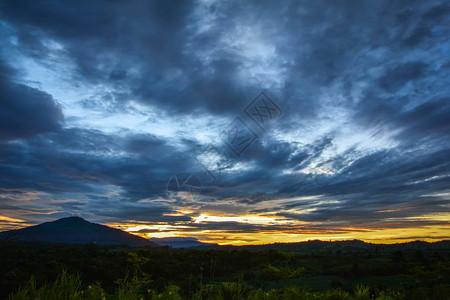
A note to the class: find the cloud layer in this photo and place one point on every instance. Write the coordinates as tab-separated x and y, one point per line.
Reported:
103	103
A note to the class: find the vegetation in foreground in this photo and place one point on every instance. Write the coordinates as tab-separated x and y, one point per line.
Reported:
310	271
69	286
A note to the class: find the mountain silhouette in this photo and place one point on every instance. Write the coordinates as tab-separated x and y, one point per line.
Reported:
181	242
75	230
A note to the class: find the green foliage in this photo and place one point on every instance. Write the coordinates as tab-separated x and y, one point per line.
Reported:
331	272
29	291
361	292
287	256
262	295
66	286
171	292
294	292
271	272
438	292
336	294
94	292
136	262
385	296
131	287
231	291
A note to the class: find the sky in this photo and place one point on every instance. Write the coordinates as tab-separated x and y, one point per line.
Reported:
234	122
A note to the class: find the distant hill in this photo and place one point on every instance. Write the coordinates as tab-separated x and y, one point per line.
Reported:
75	230
345	246
181	242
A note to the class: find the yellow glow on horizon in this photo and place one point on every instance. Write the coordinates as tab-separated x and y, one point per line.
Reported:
8	219
294	231
247	219
432	217
265	228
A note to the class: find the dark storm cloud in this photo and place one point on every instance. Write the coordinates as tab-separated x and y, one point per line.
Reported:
154	32
426	123
401	74
44	169
430	119
379	60
381	172
417	36
174	78
150	214
25	111
77	159
144	144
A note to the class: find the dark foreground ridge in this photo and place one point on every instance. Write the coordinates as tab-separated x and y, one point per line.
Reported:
74	230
